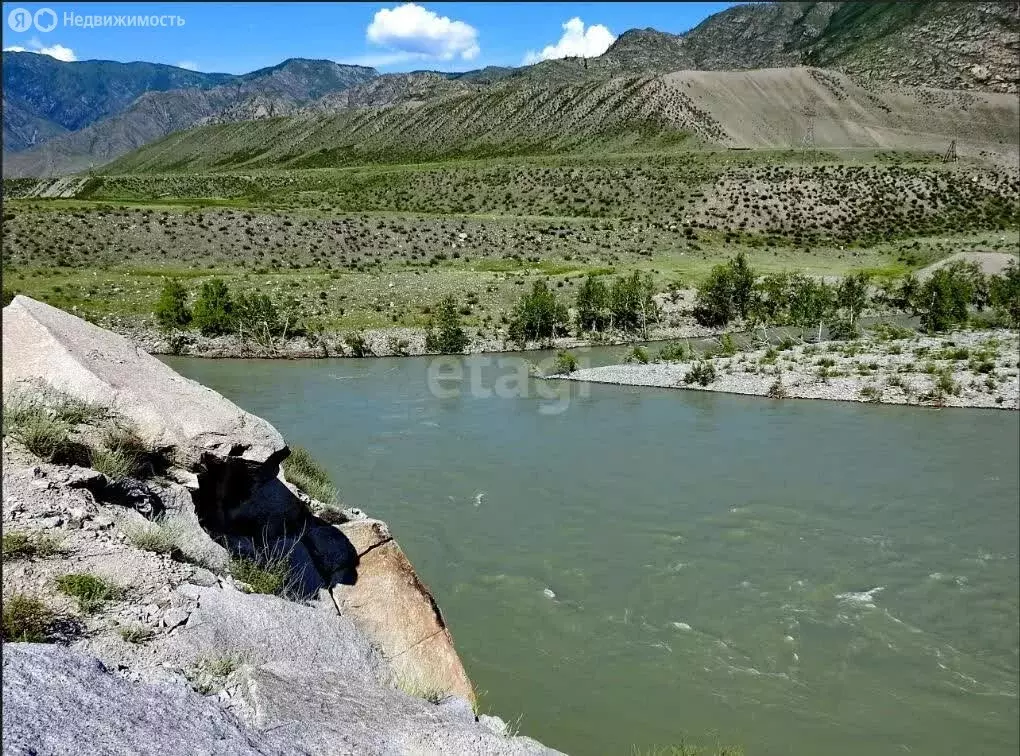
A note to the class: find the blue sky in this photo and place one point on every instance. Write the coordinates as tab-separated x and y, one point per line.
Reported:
240	37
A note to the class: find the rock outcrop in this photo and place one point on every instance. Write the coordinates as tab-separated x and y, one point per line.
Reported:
349	653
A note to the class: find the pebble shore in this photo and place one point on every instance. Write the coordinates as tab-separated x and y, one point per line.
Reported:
983	366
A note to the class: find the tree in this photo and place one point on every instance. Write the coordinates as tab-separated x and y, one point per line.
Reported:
537	315
743	283
214	309
852	296
632	302
945	296
593	305
908	293
256	316
1004	293
444	333
726	294
714	304
172	306
770	300
811	302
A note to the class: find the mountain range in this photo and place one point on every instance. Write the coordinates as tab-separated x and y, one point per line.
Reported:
67	117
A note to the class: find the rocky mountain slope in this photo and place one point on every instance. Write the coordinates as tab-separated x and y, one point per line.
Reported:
44	97
939	44
200	602
762	108
153	114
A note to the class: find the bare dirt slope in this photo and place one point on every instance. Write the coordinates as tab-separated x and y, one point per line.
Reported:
771	108
990	263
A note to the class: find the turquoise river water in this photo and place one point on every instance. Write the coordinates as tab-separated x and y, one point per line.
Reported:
624	568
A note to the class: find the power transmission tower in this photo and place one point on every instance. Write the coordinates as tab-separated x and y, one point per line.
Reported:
809	113
950	156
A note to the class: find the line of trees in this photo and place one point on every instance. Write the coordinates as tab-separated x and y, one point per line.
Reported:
733	291
217	312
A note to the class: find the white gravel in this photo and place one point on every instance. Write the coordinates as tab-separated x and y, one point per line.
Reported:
900	371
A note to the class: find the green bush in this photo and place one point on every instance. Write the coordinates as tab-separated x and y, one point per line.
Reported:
638	354
214	309
172	310
565	363
26	619
306	473
676	351
702	373
90	591
256	317
357	344
444	333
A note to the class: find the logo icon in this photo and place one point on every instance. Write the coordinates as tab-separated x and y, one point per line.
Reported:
45	19
20	19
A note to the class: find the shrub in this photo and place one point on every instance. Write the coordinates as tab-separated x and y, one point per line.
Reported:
172	306
843	329
777	390
18	545
676	351
306	473
871	393
702	373
444	333
357	344
565	363
214	309
638	354
90	591
26	619
727	346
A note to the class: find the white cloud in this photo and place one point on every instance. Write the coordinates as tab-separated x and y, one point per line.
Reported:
57	51
419	33
576	42
191	66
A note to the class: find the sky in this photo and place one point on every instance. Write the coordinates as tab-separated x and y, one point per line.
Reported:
241	37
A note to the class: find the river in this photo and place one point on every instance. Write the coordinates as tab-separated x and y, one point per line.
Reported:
628	567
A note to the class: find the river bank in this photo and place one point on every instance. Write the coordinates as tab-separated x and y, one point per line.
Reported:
380	342
959	369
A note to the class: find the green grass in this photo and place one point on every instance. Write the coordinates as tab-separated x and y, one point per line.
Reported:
26	619
307	474
43	419
20	545
265	574
90	591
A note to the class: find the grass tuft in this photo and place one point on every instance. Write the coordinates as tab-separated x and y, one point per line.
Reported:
18	545
304	472
90	591
26	619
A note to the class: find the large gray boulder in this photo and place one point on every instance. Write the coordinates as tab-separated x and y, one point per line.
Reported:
42	343
58	702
